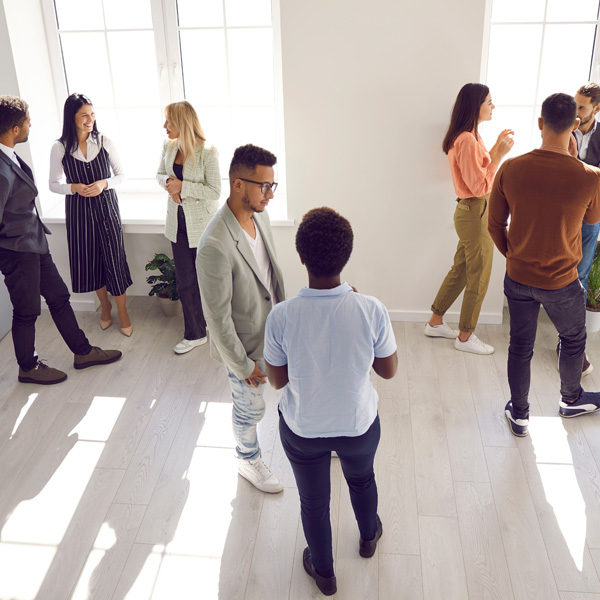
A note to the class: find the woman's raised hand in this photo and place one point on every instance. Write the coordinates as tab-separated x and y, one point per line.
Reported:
505	142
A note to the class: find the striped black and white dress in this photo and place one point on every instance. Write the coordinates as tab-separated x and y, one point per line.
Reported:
94	231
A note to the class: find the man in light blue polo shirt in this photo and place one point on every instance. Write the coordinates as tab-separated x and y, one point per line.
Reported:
320	347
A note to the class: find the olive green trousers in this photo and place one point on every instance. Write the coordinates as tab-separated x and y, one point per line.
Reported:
472	263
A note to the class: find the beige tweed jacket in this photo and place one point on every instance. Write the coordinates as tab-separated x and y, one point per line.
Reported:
200	190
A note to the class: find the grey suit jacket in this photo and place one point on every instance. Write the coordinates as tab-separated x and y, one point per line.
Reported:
20	227
235	300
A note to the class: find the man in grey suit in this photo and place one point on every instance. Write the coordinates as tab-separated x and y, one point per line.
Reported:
240	281
26	263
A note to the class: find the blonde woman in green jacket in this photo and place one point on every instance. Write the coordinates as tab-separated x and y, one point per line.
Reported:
189	172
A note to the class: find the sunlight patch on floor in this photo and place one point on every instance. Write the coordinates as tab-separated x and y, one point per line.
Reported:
554	460
23	413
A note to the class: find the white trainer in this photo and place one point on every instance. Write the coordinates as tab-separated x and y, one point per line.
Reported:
259	475
473	345
187	345
441	331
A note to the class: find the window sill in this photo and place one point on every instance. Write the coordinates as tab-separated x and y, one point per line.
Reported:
140	213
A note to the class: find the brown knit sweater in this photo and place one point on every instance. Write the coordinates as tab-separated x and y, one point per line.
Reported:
546	195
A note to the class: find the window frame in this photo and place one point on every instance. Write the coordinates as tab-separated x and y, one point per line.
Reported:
170	79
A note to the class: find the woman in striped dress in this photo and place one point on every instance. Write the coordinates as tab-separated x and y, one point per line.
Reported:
90	163
189	172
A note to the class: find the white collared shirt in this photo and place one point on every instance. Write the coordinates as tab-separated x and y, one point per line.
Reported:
57	173
10	152
583	141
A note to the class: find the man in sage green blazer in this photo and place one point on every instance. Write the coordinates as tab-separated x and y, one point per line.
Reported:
240	280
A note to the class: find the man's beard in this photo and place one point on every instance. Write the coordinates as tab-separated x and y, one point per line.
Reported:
246	201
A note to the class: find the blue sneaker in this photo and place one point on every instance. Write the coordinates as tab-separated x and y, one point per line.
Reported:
589	402
518	427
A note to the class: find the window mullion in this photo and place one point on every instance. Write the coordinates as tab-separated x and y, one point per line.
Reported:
54	51
171	65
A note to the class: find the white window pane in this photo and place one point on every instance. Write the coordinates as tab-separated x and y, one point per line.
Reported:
513	63
204	67
207	13
140	153
74	14
86	66
573	10
254	126
523	121
133	60
216	123
132	14
522	11
566	58
251	66
243	13
106	120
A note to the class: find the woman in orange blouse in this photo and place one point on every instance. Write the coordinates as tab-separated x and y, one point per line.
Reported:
473	169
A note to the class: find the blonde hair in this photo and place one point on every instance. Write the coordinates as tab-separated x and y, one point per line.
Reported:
191	135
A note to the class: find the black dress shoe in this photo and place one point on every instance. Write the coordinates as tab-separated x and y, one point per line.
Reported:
367	548
327	585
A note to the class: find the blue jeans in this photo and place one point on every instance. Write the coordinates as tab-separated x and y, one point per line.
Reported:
248	410
310	459
566	310
589	238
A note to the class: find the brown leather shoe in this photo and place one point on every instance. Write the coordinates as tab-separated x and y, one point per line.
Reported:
96	356
41	374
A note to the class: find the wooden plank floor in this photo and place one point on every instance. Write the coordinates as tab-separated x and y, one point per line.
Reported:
121	482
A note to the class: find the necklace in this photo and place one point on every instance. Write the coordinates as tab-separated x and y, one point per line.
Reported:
551	146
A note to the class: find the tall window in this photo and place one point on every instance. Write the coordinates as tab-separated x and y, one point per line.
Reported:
537	48
134	57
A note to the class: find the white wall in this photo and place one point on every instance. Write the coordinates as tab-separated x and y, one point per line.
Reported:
368	89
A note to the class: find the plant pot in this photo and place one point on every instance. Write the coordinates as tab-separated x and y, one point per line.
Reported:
592	321
170	308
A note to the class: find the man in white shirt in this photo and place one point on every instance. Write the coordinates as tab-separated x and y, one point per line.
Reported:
26	263
240	280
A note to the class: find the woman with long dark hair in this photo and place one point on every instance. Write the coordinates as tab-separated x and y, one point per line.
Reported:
189	172
90	163
473	169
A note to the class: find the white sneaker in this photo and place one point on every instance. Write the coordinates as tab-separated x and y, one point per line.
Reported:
442	331
474	345
259	475
187	345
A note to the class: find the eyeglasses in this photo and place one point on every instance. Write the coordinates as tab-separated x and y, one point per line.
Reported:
265	186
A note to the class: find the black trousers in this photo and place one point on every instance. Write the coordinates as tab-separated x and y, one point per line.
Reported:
187	282
310	459
27	275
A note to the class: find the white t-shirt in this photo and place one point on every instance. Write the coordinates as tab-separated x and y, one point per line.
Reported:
262	258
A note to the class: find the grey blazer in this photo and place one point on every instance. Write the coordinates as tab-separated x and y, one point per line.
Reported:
20	227
235	300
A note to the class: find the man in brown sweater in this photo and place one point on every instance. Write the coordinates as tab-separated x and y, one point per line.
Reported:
546	193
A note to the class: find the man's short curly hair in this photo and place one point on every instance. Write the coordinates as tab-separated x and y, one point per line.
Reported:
247	158
324	241
13	112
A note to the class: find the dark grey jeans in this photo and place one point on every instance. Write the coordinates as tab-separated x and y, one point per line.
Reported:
566	309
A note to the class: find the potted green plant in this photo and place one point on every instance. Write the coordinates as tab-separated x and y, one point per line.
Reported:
592	305
164	286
